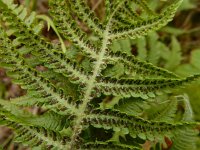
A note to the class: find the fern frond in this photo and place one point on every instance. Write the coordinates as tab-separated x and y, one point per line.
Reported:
61	82
128	16
125	20
40	47
48	120
64	66
86	15
185	139
29	79
22	13
33	136
108	6
134	66
83	72
132	106
50	24
108	146
143	27
70	27
30	135
144	88
32	99
136	126
144	6
165	112
42	91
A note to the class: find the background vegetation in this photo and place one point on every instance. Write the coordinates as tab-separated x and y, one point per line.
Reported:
175	47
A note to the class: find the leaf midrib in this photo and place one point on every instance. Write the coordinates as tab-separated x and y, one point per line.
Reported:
89	87
91	84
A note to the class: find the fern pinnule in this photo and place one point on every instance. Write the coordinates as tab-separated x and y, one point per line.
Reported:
128	16
69	28
42	138
135	126
134	66
30	79
32	135
59	64
144	88
165	112
141	28
86	15
50	120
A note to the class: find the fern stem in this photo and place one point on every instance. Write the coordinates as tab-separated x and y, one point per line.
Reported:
91	84
89	89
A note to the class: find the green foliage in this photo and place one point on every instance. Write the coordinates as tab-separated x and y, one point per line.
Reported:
185	139
87	90
192	66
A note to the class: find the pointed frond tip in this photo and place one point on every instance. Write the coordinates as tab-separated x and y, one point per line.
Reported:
143	88
135	126
141	28
134	65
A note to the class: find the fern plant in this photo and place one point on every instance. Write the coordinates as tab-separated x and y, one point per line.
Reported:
76	82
